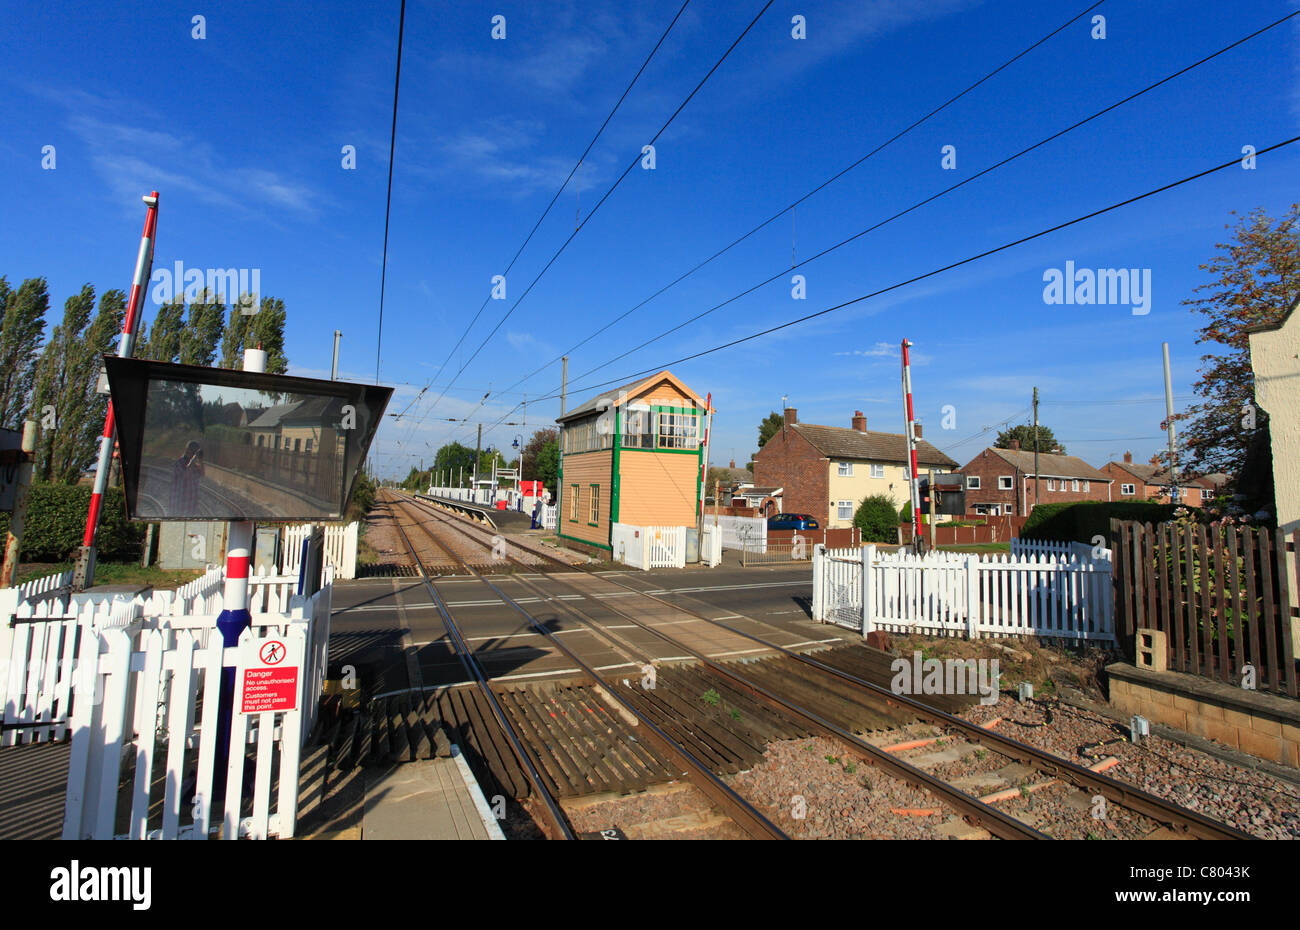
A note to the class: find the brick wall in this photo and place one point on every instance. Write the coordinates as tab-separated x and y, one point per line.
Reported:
1191	494
789	461
990	466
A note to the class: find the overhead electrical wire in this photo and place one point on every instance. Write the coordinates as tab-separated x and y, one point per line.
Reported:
609	116
832	179
935	196
1137	198
635	161
388	200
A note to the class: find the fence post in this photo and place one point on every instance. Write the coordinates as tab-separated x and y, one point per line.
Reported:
348	569
972	596
818	566
868	590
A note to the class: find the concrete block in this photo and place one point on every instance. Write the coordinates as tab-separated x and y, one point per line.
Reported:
1186	703
1211	711
1237	718
1152	649
1291	753
1266	726
1258	744
1221	733
1163	698
1291	732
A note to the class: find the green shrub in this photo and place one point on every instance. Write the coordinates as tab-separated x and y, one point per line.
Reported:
877	518
1080	522
56	521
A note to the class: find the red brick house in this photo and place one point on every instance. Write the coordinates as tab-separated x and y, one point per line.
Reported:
826	471
1001	482
1151	482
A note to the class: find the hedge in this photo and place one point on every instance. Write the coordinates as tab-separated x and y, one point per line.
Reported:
1080	522
56	521
877	517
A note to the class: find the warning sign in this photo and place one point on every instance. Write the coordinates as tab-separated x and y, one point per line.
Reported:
267	684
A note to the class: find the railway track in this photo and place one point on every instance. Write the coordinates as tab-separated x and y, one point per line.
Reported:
558	731
789	694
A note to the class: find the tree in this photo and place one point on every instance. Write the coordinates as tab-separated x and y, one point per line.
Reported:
541	458
202	331
769	427
1025	433
66	379
21	329
877	518
163	342
234	341
1255	278
267	333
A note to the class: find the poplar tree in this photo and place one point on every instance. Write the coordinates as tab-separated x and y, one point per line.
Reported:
21	330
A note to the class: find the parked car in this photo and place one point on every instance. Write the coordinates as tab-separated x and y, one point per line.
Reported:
793	521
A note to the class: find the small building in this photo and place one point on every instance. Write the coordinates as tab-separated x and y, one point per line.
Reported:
1005	482
767	499
1151	482
826	471
632	455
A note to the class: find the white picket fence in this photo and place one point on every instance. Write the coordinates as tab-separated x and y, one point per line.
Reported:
550	516
949	593
40	639
647	547
743	532
1067	549
340	548
710	544
155	689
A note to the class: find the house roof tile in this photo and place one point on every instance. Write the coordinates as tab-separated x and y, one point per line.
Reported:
837	442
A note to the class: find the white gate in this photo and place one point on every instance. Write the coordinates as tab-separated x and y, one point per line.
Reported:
665	546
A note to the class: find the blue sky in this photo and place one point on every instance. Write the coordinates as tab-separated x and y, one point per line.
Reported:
242	132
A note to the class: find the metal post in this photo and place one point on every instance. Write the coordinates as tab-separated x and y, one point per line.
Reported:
910	433
84	576
334	366
22	482
474	481
933	495
235	618
1169	423
1036	479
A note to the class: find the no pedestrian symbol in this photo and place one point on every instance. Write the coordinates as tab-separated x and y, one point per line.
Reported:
268	685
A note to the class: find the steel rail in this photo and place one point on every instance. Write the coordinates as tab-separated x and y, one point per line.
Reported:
559	826
744	814
1133	798
998	822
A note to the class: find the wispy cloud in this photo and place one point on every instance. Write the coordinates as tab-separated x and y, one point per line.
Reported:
131	159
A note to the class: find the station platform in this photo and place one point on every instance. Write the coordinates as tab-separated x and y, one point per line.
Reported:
435	799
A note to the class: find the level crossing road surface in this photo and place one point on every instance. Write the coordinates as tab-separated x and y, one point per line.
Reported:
392	634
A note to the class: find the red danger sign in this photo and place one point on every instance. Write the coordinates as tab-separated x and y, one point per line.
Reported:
269	686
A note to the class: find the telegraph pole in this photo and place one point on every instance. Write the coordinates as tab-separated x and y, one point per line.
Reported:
1036	481
334	366
477	444
1169	424
564	385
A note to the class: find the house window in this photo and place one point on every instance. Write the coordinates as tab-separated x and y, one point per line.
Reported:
845	469
679	431
1006	483
1087	486
877	471
1205	494
973	484
844	511
308	445
594	518
1051	484
982	509
1126	489
573	504
1074	484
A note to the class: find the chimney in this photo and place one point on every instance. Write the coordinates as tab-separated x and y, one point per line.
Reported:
1128	458
1014	445
732	466
859	421
917	424
791	416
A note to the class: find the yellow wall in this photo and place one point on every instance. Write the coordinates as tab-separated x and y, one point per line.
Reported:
657	488
662	392
584	470
861	485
